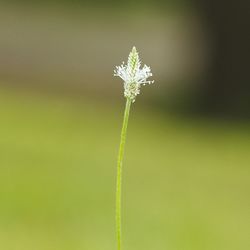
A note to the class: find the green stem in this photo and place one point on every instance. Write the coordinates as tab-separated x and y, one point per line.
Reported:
119	173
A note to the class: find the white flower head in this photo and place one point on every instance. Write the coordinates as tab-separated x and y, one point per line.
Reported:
133	75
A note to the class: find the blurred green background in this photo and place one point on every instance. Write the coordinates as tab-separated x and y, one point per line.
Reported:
186	176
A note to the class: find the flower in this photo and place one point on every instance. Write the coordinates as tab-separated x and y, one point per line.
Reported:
132	75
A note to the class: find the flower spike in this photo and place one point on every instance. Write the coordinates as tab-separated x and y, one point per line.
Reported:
133	75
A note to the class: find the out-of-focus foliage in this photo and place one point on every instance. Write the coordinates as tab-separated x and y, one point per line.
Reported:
186	182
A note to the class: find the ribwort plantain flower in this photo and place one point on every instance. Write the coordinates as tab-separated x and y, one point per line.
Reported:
133	75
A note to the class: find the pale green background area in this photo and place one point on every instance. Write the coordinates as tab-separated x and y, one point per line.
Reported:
186	182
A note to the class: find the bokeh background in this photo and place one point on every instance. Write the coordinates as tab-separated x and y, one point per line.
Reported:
186	182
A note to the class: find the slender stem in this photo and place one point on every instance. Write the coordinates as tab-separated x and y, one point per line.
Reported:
119	173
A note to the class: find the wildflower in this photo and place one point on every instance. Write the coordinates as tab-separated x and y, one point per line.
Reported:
133	75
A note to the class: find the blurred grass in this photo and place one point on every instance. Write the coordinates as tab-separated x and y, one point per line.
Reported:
186	183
